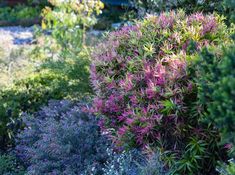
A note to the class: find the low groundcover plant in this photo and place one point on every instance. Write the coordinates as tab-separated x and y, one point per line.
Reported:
62	138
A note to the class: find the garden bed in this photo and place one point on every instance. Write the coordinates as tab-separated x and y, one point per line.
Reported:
21	22
154	96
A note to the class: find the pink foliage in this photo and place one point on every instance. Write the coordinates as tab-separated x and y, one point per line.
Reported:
143	97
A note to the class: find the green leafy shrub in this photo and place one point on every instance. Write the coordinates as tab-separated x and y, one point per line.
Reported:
69	20
216	84
62	138
143	86
10	15
58	80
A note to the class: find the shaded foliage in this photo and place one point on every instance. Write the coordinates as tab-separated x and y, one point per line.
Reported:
9	165
216	89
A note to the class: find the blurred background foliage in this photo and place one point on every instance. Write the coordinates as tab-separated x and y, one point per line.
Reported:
62	61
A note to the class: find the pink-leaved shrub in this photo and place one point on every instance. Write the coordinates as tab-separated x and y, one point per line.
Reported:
143	85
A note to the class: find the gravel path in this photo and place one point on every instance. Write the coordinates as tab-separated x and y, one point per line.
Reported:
12	37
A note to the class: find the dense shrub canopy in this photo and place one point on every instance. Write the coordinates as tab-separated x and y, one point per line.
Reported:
143	86
62	138
140	74
216	84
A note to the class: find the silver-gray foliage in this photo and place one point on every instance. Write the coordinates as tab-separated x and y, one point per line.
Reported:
134	163
62	139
